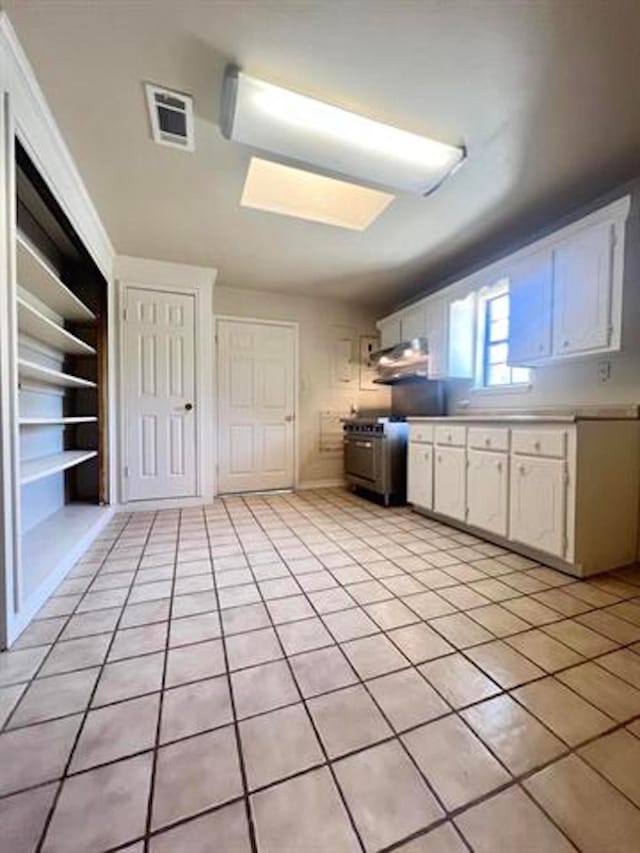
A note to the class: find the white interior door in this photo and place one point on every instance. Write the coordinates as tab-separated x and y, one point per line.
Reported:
159	386
256	398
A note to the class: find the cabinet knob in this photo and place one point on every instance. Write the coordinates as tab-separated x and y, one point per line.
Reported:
439	458
487	441
188	406
536	445
499	466
565	344
540	347
522	470
449	437
426	455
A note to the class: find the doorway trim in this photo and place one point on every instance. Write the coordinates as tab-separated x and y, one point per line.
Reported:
288	324
146	274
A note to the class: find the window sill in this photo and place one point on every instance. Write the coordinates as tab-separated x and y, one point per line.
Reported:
499	390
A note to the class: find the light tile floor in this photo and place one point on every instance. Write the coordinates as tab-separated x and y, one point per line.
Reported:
315	673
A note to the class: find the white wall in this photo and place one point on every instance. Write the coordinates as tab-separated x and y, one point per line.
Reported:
321	323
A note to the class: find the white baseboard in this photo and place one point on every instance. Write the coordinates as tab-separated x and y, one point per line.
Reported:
335	483
164	503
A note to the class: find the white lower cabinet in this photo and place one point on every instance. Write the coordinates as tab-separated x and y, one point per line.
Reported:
420	475
565	493
538	504
450	481
488	490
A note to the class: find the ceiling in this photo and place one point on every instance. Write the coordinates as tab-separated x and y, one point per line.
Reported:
545	95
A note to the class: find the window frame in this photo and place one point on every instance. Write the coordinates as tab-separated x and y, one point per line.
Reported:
481	384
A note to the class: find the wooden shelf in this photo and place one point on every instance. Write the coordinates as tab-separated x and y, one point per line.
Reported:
27	422
36	276
36	325
36	469
37	373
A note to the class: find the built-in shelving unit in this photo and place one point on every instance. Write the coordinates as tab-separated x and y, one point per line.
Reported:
44	466
57	540
46	285
38	373
60	373
33	323
62	421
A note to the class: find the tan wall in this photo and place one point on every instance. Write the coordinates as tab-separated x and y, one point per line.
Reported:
321	322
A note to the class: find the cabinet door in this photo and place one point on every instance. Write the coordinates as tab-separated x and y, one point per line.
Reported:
582	292
450	481
420	475
530	300
461	325
488	490
413	324
436	325
390	332
538	503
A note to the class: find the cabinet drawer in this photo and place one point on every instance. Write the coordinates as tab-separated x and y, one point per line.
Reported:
489	438
539	442
421	433
454	435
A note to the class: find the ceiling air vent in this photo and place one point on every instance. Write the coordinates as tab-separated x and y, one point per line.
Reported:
171	115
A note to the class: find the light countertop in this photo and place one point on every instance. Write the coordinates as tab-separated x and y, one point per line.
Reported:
626	411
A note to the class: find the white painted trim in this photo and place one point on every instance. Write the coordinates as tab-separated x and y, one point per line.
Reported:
39	134
26	115
199	282
291	324
616	212
166	503
55	578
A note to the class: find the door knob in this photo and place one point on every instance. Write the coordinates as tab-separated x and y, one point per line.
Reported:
188	406
288	418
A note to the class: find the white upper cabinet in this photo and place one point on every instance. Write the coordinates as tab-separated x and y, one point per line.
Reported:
565	293
413	323
461	337
437	336
390	332
582	292
530	303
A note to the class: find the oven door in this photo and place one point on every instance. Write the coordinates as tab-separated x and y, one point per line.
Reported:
362	459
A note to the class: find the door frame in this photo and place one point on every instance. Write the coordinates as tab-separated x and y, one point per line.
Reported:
288	324
182	279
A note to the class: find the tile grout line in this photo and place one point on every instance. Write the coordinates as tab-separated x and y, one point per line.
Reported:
302	697
85	714
156	744
394	596
236	727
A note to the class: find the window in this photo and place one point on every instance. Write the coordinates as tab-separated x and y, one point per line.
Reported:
493	327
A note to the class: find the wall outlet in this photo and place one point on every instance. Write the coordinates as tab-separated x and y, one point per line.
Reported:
604	371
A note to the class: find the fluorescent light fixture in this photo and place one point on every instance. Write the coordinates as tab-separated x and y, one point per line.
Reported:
308	131
306	195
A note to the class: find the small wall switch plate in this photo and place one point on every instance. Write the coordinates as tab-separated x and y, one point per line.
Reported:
604	371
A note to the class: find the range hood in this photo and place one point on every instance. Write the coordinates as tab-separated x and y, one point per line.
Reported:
404	362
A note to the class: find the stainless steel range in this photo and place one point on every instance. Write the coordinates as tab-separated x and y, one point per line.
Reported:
375	456
375	445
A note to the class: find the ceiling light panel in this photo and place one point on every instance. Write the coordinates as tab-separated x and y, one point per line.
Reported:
294	192
278	120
